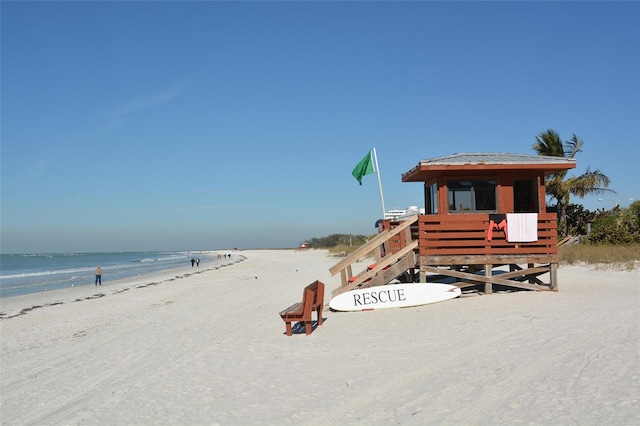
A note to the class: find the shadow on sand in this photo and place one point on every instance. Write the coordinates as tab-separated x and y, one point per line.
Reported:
298	328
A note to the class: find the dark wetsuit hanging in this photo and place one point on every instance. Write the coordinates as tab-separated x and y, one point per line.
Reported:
497	221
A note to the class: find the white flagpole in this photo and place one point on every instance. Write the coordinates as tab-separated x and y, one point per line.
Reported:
375	159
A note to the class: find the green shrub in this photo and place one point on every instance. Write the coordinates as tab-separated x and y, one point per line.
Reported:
618	226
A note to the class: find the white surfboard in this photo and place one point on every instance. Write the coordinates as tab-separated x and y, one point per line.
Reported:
393	296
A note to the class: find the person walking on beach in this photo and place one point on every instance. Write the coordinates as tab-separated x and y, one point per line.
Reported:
98	276
192	261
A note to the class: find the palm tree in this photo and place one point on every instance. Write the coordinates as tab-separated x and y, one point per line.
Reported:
591	182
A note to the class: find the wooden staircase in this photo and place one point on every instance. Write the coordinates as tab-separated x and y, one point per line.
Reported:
388	265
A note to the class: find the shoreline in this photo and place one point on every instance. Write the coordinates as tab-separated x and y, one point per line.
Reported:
29	274
13	306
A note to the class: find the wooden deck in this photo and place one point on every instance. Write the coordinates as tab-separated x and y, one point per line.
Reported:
463	235
455	248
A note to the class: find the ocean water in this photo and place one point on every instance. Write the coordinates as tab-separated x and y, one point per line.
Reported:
32	273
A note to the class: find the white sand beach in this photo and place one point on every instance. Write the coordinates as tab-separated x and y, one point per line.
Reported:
210	348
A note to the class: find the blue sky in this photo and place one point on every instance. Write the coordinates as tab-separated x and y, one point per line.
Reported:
203	125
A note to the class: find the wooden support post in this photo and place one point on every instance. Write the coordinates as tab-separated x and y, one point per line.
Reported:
532	279
423	276
488	289
553	272
407	237
384	250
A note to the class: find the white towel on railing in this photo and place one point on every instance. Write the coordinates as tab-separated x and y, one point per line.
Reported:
522	227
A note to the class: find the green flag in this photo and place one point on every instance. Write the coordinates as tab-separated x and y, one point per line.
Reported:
364	167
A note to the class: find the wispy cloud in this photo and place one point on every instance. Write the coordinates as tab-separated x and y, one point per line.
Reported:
117	117
186	208
150	101
34	170
196	208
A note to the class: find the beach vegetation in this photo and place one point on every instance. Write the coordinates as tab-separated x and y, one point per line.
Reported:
343	250
615	227
579	219
338	243
608	237
560	187
621	256
605	227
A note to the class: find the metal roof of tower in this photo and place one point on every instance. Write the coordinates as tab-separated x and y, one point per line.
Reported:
487	161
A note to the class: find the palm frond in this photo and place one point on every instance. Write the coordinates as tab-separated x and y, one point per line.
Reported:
549	143
573	146
591	182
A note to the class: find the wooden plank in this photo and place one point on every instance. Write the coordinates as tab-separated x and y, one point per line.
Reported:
480	235
478	251
407	235
461	240
373	273
399	268
482	260
564	241
480	278
462	226
343	277
387	260
488	289
295	309
521	272
554	276
489	248
462	237
437	244
360	252
389	274
371	245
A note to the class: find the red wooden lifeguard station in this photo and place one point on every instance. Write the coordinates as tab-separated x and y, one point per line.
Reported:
485	224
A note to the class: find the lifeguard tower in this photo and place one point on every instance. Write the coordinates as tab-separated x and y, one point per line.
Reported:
485	224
